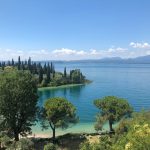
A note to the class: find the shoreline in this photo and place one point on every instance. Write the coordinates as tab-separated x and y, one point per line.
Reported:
80	128
61	86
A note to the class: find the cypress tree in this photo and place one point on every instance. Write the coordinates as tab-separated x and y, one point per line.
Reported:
45	69
12	62
51	67
19	63
29	63
40	74
65	72
48	73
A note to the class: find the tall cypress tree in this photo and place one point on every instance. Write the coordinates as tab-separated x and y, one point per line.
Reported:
65	72
48	73
29	63
19	63
12	62
45	69
51	67
40	74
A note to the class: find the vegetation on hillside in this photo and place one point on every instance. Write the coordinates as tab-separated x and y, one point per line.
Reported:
131	134
46	75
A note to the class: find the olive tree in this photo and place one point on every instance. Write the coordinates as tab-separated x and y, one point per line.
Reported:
18	102
112	109
59	113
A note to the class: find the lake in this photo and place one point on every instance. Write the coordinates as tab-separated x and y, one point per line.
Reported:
129	81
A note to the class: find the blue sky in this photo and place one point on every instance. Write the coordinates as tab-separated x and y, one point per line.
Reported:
74	29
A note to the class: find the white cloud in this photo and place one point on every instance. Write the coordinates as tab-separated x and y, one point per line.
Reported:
142	49
139	45
65	51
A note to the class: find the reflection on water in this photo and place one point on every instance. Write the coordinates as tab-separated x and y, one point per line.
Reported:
45	94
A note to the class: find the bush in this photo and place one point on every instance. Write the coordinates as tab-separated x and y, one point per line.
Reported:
5	140
25	144
50	146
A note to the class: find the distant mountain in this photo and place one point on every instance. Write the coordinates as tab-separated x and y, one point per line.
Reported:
137	60
142	59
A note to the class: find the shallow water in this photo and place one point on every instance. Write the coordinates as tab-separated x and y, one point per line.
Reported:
130	81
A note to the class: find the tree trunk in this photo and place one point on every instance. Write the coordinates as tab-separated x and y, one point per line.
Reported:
110	126
53	129
54	135
16	134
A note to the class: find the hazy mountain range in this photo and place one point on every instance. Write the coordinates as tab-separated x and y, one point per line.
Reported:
142	59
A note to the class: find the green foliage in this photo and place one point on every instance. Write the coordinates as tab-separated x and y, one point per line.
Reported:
59	112
112	109
25	144
45	75
18	102
104	144
4	140
50	146
137	133
131	134
76	76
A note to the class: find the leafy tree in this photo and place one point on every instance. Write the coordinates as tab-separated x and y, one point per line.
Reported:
112	109
18	102
59	113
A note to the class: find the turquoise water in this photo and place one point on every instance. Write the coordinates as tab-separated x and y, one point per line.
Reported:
130	81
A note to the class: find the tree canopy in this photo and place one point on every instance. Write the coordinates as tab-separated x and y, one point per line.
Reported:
60	113
111	109
18	102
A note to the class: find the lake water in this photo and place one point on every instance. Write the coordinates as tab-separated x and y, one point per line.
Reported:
129	81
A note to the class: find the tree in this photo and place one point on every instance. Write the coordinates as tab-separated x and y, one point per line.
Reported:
18	102
19	63
40	74
65	72
112	109
59	113
12	62
48	73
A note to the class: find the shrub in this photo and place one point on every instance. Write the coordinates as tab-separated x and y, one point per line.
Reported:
50	146
25	144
